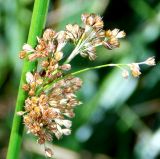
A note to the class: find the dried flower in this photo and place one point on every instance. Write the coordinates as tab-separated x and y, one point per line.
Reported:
74	32
61	40
45	114
25	87
90	52
92	20
112	37
135	69
49	34
150	61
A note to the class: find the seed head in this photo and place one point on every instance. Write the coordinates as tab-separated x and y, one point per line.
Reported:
150	61
74	32
92	20
112	37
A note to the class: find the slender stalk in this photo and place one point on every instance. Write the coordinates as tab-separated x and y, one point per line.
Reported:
96	67
48	86
37	23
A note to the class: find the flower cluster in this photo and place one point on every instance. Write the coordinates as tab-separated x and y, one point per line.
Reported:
111	40
51	89
135	67
45	114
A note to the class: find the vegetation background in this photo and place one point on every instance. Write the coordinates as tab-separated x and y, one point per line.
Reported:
120	118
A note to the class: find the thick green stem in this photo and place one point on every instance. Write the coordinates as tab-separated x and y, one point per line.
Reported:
37	23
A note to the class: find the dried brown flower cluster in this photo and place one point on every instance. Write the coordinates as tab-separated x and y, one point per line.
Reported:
51	90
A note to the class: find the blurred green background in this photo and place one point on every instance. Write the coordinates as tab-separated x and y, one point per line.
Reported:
120	118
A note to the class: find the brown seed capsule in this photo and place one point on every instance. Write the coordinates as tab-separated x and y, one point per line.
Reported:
25	87
92	20
22	54
31	92
114	42
108	33
41	46
135	69
98	24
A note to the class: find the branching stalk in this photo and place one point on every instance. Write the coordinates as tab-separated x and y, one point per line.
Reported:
49	86
37	23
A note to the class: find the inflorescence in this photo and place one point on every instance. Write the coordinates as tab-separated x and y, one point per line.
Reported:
51	90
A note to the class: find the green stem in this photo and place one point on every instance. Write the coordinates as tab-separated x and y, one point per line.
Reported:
47	87
96	67
37	23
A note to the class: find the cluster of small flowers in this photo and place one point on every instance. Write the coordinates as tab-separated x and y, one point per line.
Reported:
51	91
91	36
135	67
45	114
